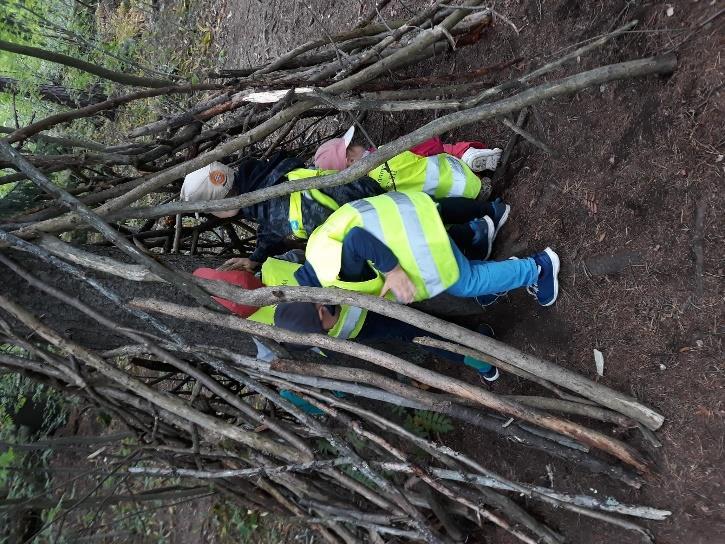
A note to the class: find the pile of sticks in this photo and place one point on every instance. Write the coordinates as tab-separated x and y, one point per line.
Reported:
212	414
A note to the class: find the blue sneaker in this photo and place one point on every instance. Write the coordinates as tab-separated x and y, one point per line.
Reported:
483	233
546	288
490	375
500	211
486	371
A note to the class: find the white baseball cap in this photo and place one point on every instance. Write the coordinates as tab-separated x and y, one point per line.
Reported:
348	136
212	182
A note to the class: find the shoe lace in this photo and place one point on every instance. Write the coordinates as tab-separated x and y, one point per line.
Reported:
493	300
533	290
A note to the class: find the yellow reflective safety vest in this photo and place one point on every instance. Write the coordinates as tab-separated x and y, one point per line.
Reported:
408	223
440	176
281	272
296	221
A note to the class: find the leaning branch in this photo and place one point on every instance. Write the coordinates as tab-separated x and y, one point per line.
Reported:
69	201
568	85
592	438
105	73
88	111
498	352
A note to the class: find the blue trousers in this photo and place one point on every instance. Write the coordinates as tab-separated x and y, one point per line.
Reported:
490	277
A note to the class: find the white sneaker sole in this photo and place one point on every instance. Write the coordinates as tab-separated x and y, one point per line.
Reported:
556	264
480	164
491	231
490	380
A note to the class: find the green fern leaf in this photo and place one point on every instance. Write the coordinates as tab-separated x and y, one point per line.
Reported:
432	422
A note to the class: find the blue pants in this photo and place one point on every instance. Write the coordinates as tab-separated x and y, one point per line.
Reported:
490	277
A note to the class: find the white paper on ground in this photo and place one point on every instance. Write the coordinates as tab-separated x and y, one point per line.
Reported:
599	362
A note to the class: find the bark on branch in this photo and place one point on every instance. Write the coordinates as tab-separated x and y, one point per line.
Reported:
569	85
105	73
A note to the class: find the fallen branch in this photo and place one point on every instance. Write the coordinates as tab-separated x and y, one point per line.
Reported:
88	111
526	135
498	352
166	402
592	438
442	124
118	77
89	217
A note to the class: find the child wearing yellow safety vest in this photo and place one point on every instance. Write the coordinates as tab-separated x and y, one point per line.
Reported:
344	322
432	167
292	216
397	243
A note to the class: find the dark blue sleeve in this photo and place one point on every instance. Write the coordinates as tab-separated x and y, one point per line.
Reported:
269	243
358	248
306	276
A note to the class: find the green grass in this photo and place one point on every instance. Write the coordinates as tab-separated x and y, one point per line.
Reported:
130	38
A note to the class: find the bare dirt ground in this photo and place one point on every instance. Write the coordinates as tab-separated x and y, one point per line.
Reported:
637	160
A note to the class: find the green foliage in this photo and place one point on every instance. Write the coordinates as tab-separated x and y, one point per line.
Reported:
424	423
324	446
7	458
238	525
18	392
398	410
128	37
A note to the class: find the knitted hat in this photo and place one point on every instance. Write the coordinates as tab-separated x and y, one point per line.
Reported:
299	317
332	155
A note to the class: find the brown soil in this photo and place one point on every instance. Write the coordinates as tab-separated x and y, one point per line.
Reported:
638	157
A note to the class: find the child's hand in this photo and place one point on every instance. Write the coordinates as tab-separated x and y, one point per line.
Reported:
399	283
240	263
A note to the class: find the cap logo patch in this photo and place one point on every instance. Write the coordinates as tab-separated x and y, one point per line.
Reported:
217	177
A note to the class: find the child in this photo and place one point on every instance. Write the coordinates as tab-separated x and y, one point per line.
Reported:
440	170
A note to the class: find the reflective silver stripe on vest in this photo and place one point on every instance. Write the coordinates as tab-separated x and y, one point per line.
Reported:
458	187
414	233
419	244
370	219
432	175
351	319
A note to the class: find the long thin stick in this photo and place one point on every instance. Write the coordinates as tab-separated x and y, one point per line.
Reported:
64	117
88	216
442	124
592	438
530	137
